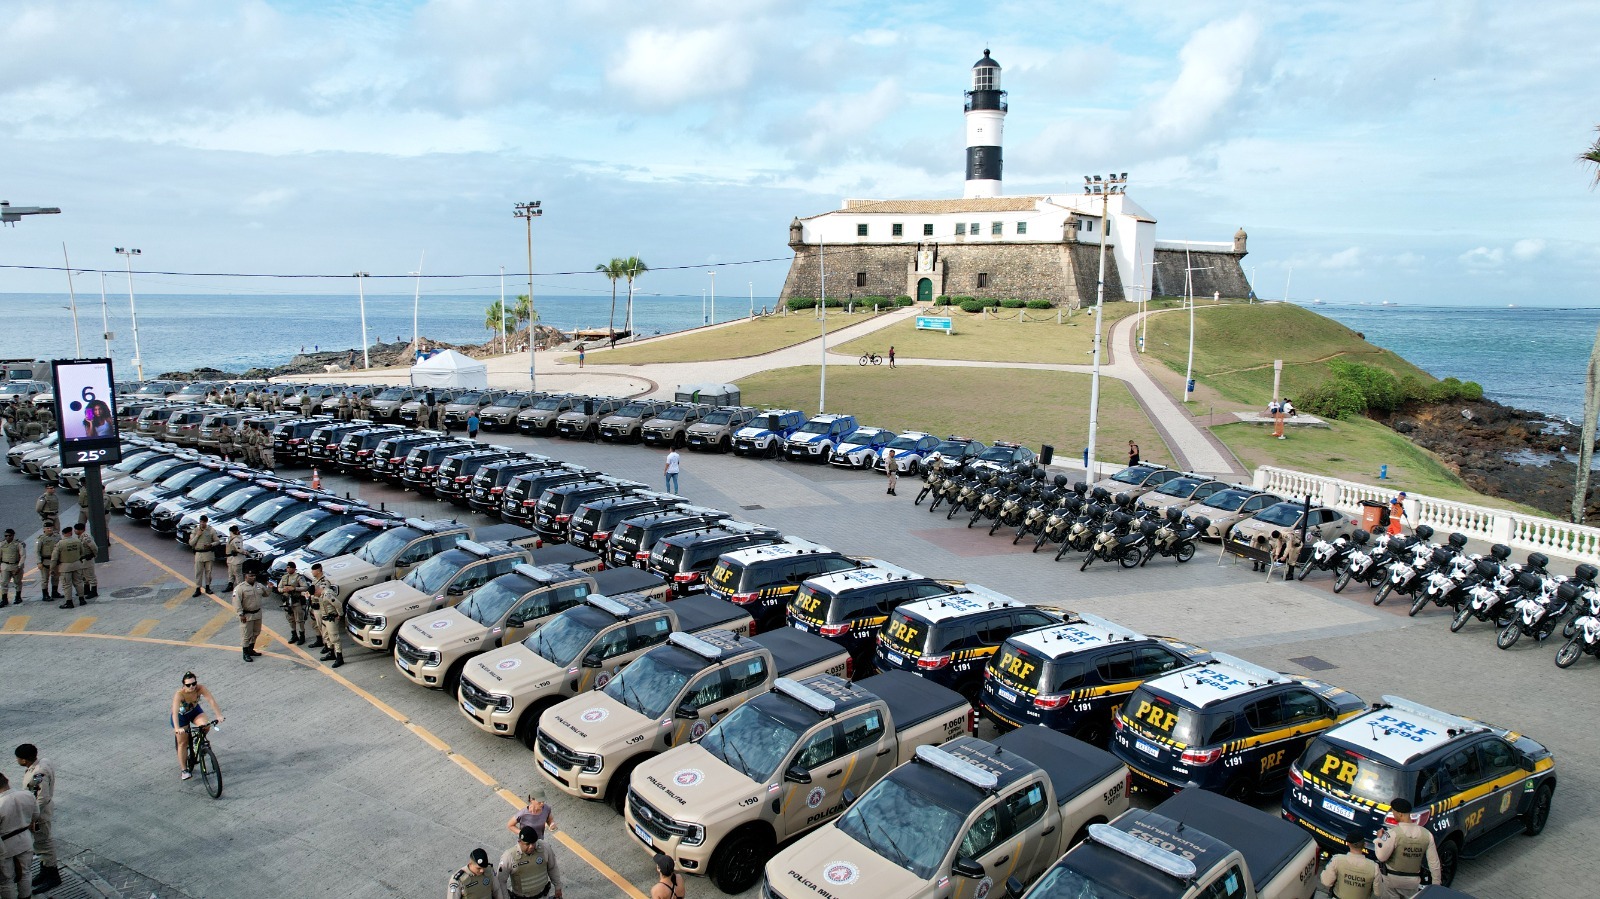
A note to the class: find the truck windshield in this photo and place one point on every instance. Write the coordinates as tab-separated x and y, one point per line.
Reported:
550	404
562	639
235	501
1285	514
1228	500
997	454
1179	487
632	410
432	575
650	686
337	540
185	477
869	436
210	489
911	818
1134	475
489	603
904	443
1063	882
393	393
386	546
271	510
753	739
719	417
672	415
816	427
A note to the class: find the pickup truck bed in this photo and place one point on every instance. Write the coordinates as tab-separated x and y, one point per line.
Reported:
559	554
698	613
508	532
794	650
912	700
1073	765
624	580
1267	842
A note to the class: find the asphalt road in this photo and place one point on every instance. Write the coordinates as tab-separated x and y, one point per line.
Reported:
359	783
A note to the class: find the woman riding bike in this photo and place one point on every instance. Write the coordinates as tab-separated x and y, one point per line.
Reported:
186	710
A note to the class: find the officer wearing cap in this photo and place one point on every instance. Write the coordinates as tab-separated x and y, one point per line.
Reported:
48	506
233	554
1402	849
475	880
527	870
1352	875
12	556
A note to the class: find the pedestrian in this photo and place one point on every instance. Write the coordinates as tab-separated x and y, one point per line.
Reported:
473	422
247	599
1133	454
352	358
892	469
48	506
344	407
474	880
527	870
669	884
203	540
891	356
12	557
537	814
580	355
1352	875
1397	512
44	549
19	810
91	552
39	778
1288	408
1275	409
1402	850
292	587
66	560
329	609
233	556
264	448
671	470
307	404
225	447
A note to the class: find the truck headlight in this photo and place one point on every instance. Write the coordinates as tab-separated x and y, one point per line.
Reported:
694	834
592	763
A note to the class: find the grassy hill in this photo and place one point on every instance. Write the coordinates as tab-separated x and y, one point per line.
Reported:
1005	335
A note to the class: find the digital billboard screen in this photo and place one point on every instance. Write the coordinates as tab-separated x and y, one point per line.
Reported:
85	414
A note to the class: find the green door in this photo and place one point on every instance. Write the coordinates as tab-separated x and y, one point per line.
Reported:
925	290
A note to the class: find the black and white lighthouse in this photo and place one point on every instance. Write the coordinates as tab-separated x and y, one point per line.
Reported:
986	121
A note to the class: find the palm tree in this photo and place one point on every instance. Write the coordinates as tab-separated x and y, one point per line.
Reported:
614	271
1591	400
1592	157
522	311
632	267
494	317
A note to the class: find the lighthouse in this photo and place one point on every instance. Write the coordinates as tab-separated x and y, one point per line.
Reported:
986	120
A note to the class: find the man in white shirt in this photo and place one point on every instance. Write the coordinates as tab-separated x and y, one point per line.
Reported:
672	470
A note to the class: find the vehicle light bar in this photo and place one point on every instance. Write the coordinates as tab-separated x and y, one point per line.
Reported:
695	645
1416	708
474	547
1168	863
804	695
1113	629
533	572
609	605
951	764
1267	675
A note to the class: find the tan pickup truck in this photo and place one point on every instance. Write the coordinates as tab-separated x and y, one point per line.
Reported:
504	691
957	821
674	693
374	615
431	650
398	550
778	766
1196	845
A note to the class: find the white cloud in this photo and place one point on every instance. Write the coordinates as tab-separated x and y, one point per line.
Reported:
1347	258
668	67
1484	257
1528	249
1215	62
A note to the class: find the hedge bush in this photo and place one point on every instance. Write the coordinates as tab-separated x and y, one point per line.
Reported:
1335	398
1379	388
962	301
942	301
798	303
972	306
869	302
903	300
1012	304
1038	304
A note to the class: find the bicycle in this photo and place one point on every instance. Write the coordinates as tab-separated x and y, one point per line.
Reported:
200	753
873	358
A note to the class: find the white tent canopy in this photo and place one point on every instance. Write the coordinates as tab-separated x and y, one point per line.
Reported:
450	369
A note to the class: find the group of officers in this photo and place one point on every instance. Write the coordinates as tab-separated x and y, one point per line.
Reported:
23	421
1394	870
27	811
65	560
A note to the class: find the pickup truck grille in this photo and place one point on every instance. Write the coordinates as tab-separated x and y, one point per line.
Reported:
357	618
410	653
651	819
559	754
478	697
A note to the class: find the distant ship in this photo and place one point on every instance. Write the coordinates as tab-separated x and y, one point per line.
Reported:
1511	306
1390	303
1316	302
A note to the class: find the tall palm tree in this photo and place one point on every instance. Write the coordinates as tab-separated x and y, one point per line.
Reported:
632	267
1591	399
1592	157
615	270
493	316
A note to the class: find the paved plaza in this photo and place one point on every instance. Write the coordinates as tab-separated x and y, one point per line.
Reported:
358	783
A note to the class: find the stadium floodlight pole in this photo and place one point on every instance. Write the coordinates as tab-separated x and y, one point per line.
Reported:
361	293
133	313
1149	294
105	317
1188	289
1113	184
528	212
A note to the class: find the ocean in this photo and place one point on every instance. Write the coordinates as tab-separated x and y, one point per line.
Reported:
236	332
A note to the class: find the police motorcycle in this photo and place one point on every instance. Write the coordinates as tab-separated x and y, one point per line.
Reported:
1448	574
1583	631
1175	536
972	489
1582	580
1001	489
1489	590
1060	521
1097	517
1030	485
955	479
1122	540
1370	566
1046	499
1330	555
1409	558
933	478
1540	608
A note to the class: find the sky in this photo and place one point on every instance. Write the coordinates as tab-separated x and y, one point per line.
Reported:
1416	152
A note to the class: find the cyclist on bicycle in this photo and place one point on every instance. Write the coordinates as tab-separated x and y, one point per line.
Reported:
186	710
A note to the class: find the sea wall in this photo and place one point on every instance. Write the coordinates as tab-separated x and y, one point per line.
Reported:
1063	273
1212	273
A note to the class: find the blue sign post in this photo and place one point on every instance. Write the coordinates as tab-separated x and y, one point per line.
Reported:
936	323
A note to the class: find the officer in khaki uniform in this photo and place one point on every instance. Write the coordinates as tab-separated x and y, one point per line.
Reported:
233	555
1401	850
264	448
67	560
1352	875
247	600
225	446
48	506
39	778
91	552
527	870
328	606
11	559
293	588
45	548
248	451
307	405
203	540
18	812
475	879
344	407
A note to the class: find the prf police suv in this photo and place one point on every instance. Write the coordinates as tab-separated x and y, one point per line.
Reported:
763	578
1073	677
1473	785
949	640
850	607
1228	726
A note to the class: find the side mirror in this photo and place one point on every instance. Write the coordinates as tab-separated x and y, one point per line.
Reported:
1526	763
1014	888
591	660
849	796
797	774
455	590
686	709
516	622
966	867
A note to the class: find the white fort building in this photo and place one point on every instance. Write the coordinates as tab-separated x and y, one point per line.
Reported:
988	245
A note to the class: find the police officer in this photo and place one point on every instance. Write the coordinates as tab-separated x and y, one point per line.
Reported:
45	549
344	407
1402	849
39	778
225	446
18	811
11	559
292	587
233	555
247	600
475	879
67	561
91	552
329	609
1352	875
48	506
527	870
203	540
264	448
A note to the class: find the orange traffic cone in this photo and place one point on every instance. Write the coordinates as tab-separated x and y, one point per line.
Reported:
316	479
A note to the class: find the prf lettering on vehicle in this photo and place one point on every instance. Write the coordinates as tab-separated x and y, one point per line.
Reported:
1017	666
1156	716
1215	679
1339	769
902	632
1400	727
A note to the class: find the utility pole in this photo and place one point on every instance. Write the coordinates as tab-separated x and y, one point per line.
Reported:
822	307
105	318
1093	185
416	300
1591	410
361	293
72	300
133	313
713	297
528	212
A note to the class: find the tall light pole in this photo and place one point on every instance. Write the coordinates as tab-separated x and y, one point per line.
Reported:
1093	185
361	294
528	212
1188	294
752	299
105	317
713	297
502	309
416	300
822	307
1149	294
72	300
133	313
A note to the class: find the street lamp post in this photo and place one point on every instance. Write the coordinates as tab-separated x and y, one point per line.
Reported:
1188	293
822	308
127	255
105	317
1149	294
528	212
713	297
1092	185
416	300
752	299
72	300
361	294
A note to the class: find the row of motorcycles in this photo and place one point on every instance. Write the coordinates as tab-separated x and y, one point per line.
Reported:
1073	517
1518	599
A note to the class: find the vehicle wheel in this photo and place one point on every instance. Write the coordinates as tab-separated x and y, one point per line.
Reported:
1449	854
1018	538
1185	551
528	727
1062	550
738	862
920	497
1304	570
935	504
914	469
1038	543
1568	653
954	508
1417	604
211	772
617	789
1130	559
1086	560
1238	789
1095	733
1342	581
1570	628
1508	636
452	678
974	519
724	445
1383	593
995	527
1459	620
1540	813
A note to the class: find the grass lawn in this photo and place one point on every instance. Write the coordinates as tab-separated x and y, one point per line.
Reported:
1029	407
1005	336
746	338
